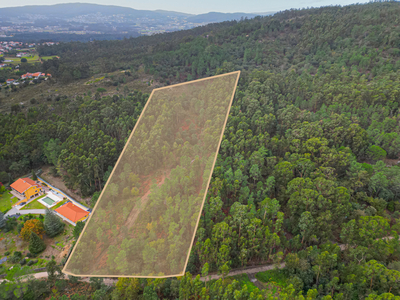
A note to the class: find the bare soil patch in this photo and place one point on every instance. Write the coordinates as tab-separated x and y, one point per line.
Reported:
59	183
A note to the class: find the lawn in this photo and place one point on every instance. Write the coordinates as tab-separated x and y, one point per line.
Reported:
59	204
6	202
35	204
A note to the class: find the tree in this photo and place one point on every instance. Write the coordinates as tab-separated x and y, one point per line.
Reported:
96	282
17	282
52	150
4	178
34	177
24	60
78	229
73	279
33	225
376	153
306	225
149	293
225	270
53	271
127	288
36	244
2	220
94	198
52	224
204	272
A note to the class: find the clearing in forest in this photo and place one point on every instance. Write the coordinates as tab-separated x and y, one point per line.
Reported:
144	222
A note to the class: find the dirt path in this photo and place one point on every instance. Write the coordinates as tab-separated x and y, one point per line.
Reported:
248	271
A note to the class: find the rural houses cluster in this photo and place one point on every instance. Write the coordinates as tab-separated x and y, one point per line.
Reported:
28	76
29	190
9	46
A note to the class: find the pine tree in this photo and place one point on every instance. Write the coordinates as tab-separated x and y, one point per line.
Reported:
36	244
52	224
34	177
2	220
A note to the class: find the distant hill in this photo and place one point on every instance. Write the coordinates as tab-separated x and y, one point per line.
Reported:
213	17
69	10
77	9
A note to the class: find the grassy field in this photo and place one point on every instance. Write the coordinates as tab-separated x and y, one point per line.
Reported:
273	280
47	57
35	204
30	59
244	280
6	202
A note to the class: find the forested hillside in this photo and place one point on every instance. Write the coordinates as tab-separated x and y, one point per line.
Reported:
307	171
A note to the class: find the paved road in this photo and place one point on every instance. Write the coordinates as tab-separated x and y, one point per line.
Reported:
14	211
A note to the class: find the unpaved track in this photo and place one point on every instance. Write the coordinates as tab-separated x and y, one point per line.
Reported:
249	271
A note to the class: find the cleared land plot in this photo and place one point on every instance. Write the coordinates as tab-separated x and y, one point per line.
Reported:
144	222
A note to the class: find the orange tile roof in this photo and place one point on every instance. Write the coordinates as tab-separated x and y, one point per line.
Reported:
72	212
36	74
22	184
30	181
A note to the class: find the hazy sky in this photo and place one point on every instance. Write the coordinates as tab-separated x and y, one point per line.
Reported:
197	6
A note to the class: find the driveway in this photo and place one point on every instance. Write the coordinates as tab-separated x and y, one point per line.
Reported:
14	211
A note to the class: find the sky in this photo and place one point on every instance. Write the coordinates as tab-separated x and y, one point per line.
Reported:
197	7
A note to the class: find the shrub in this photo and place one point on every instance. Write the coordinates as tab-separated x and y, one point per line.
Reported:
29	255
33	101
24	59
10	224
61	285
7	253
19	227
22	262
31	262
73	279
17	256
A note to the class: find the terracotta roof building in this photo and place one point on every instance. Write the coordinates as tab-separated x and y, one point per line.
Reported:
72	212
26	187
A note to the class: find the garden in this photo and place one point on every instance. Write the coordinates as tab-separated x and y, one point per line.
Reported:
31	240
7	200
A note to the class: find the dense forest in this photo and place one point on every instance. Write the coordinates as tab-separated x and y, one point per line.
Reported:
307	171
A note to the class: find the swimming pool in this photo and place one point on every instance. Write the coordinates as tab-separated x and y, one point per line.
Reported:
48	201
